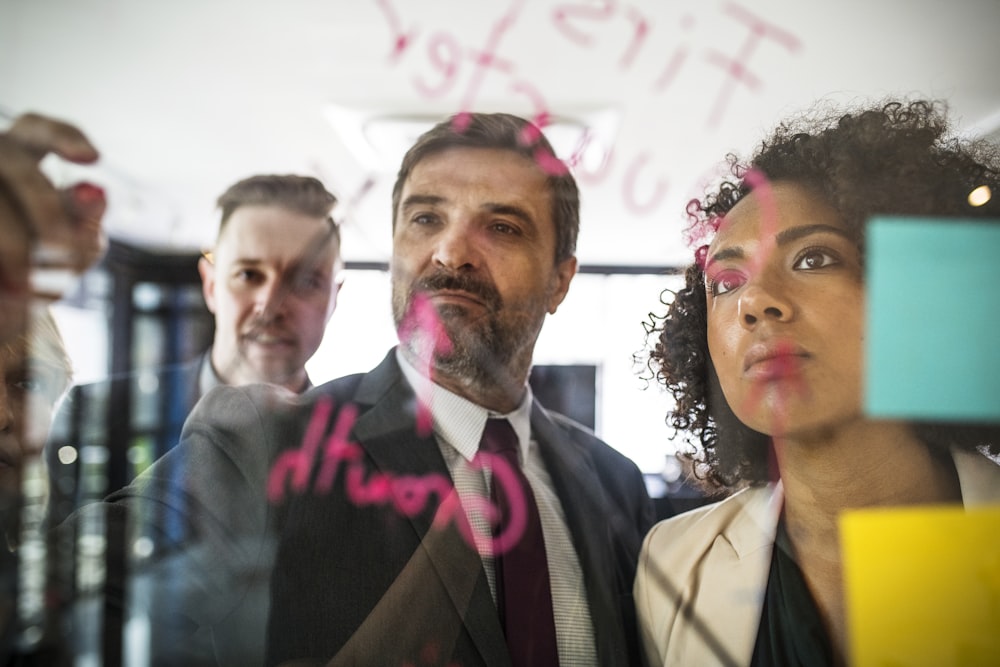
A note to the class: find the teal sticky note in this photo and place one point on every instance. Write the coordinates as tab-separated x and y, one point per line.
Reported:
933	319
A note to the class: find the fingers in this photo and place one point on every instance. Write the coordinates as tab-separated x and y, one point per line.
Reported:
57	230
39	135
87	207
40	201
14	268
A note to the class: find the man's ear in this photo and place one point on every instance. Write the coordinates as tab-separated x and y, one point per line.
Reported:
565	270
207	271
334	295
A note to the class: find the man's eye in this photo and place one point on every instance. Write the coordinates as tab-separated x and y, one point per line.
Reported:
815	258
504	227
310	283
424	219
247	275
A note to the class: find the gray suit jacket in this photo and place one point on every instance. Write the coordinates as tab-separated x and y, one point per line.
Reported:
93	415
340	541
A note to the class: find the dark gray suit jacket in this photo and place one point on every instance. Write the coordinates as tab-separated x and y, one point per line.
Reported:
344	562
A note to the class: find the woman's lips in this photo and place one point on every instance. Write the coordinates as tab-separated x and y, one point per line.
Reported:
773	361
776	368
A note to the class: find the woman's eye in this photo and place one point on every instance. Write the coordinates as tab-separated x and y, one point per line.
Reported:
725	281
815	259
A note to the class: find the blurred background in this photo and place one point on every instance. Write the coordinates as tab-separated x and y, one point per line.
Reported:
645	97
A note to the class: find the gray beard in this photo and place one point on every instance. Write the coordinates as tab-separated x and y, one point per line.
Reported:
482	352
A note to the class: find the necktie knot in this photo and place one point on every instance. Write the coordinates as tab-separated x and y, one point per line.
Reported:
499	438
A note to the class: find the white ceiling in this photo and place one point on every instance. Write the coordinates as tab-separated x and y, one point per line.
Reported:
186	97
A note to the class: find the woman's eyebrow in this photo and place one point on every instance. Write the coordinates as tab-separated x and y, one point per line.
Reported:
783	237
796	233
732	252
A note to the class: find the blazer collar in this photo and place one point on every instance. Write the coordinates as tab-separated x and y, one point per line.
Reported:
756	521
386	429
733	595
979	478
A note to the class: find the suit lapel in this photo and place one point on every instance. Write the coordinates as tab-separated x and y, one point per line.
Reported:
386	430
586	509
385	427
979	478
733	596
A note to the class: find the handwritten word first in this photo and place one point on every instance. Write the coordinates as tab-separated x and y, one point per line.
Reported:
580	24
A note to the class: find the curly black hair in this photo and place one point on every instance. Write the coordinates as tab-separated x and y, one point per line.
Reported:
894	158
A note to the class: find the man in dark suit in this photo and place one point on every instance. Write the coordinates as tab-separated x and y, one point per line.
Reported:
359	515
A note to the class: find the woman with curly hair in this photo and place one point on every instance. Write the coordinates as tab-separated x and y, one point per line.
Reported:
763	352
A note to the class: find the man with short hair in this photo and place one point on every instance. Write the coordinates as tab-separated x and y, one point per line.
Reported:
271	281
406	515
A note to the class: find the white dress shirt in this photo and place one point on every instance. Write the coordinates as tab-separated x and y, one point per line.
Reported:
458	426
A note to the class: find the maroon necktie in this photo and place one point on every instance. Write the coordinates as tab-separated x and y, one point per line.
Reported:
524	596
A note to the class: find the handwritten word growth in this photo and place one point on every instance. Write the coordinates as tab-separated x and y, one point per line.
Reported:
409	495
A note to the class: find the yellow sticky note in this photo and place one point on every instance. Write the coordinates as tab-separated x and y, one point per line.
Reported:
922	586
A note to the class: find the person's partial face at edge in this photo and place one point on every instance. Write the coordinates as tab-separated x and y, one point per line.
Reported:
474	233
272	286
29	391
785	304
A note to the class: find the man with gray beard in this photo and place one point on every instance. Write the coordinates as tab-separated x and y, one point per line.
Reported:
430	511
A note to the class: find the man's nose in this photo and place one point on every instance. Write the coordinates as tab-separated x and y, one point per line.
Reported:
455	248
270	298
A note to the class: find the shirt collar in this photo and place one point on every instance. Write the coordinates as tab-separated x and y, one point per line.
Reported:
208	378
460	422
